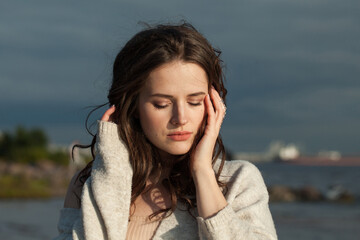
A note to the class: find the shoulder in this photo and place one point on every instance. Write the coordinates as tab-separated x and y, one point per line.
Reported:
237	167
240	175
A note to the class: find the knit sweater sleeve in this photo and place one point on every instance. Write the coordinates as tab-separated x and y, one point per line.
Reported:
247	215
106	194
106	197
68	216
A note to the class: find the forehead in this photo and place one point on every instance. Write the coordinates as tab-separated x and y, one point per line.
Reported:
177	77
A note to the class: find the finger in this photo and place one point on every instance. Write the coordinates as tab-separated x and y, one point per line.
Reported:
218	105
221	105
108	113
220	109
209	109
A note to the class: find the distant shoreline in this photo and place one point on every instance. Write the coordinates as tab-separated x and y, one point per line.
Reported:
25	181
324	161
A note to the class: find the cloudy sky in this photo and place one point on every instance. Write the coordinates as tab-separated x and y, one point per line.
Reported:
292	67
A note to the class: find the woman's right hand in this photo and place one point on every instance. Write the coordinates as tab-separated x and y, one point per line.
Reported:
107	115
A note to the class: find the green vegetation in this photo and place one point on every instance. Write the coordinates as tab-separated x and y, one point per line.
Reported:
20	187
29	168
29	146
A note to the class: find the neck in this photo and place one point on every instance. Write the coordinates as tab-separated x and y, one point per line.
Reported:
156	178
167	162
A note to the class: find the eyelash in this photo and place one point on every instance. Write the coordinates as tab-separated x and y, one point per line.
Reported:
160	106
195	104
164	106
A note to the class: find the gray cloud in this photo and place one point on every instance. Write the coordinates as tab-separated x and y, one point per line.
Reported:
292	66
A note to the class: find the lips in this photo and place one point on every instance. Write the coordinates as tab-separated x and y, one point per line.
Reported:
180	136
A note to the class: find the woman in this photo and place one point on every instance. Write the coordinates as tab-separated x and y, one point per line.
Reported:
159	170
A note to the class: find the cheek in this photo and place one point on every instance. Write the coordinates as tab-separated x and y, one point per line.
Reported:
199	117
150	121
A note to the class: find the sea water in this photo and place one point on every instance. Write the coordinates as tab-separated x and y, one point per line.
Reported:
315	220
37	219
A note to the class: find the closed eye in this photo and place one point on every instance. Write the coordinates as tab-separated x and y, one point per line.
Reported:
195	103
158	106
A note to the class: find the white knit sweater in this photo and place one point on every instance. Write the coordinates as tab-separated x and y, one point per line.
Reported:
105	202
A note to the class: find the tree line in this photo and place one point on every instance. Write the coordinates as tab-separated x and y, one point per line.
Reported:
29	146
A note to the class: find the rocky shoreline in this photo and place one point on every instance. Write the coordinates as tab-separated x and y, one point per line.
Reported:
41	180
46	179
337	194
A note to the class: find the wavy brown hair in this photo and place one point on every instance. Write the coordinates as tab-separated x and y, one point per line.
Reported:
143	53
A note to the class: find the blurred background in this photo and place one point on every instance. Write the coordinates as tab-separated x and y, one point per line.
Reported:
292	70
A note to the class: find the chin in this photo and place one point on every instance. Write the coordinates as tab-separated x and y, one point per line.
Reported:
176	150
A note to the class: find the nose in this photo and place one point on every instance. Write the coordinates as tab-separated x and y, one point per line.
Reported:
179	117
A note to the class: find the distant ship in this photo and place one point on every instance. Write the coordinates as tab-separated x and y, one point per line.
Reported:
324	160
290	154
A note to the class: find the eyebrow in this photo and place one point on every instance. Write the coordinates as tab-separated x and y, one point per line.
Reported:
171	97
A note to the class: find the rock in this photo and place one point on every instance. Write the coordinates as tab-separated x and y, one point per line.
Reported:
279	193
309	194
42	180
346	197
3	166
337	193
15	169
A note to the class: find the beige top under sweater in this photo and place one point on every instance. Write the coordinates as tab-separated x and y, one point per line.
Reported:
105	202
140	227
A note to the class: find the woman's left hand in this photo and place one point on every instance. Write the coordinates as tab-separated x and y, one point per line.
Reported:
209	197
215	109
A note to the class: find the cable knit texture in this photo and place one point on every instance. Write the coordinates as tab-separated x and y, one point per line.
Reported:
106	195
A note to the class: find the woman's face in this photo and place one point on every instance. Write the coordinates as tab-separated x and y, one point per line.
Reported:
171	106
